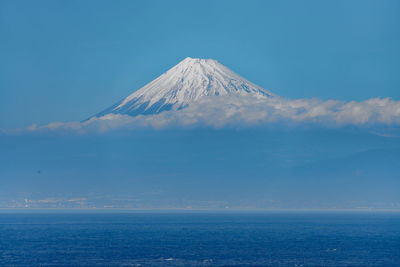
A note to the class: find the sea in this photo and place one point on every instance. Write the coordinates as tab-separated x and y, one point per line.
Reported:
142	238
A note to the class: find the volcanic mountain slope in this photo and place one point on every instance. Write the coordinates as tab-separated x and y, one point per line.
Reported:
187	82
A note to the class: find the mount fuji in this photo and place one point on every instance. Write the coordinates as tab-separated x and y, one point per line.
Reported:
189	81
205	92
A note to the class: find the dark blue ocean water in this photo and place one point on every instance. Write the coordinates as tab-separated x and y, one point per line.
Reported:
200	239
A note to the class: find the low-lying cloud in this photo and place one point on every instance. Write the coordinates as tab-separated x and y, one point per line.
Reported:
232	111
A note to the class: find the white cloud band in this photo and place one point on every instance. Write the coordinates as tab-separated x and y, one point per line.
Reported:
250	111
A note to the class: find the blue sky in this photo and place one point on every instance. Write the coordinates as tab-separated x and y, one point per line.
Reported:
66	60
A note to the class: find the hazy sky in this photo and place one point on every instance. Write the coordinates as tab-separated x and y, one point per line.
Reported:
67	60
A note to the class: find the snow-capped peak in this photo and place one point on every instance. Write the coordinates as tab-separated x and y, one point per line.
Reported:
188	81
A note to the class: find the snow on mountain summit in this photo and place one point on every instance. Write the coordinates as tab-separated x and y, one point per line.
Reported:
185	83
